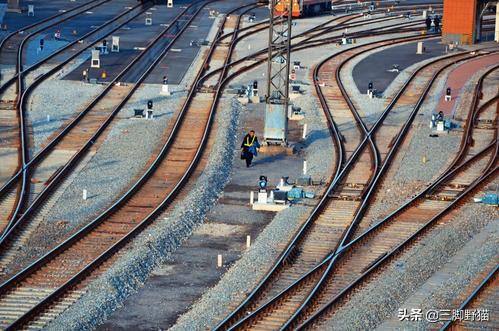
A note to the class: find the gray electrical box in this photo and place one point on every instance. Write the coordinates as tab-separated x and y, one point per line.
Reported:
276	125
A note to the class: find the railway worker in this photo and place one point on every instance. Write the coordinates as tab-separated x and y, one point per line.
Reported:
165	80
85	75
428	23
249	147
57	35
437	23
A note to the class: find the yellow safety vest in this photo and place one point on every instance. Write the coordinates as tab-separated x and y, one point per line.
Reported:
247	144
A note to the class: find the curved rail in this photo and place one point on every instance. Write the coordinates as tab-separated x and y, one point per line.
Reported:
292	244
146	220
317	210
74	159
490	169
22	95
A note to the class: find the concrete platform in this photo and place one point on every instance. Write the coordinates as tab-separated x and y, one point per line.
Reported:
133	37
269	207
374	68
457	80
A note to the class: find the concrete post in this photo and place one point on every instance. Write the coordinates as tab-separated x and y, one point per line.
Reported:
95	62
219	261
248	241
165	90
496	38
252	198
304	167
84	194
304	131
115	46
420	49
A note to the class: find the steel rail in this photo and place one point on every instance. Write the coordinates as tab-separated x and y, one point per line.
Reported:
476	292
451	170
490	173
307	223
73	160
94	264
45	20
386	164
66	47
44	76
23	155
293	244
38	80
43	152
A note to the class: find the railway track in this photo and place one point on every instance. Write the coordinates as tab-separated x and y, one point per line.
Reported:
139	204
482	298
320	237
46	182
9	134
286	309
65	270
14	191
370	250
73	140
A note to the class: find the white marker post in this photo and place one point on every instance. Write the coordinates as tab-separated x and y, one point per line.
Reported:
304	167
95	61
248	241
219	261
84	194
115	45
304	131
252	198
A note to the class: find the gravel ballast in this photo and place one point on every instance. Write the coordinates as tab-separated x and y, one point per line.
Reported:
381	297
158	241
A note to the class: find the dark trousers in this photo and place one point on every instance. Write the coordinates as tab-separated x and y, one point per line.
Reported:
249	158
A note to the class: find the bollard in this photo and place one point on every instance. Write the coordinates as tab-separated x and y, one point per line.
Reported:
420	48
305	131
252	198
248	241
219	261
84	194
148	18
95	62
304	167
115	44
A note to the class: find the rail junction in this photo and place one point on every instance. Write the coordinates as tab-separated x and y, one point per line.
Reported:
126	203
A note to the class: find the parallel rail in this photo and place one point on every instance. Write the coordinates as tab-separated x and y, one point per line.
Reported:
65	267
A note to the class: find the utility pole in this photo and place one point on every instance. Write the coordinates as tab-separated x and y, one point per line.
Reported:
279	60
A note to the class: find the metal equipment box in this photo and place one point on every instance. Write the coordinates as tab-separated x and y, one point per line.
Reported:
276	124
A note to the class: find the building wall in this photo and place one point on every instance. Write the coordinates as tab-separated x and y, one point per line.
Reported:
459	21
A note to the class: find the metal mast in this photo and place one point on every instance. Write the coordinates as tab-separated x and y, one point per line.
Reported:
277	96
